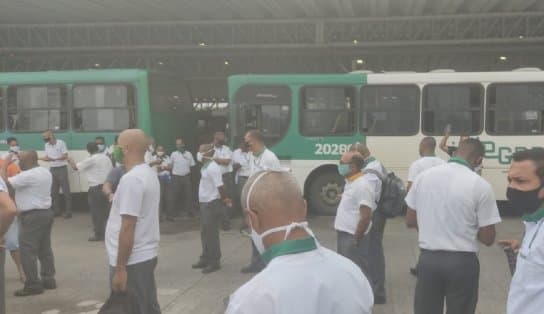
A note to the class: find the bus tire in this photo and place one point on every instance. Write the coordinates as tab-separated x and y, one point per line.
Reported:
324	193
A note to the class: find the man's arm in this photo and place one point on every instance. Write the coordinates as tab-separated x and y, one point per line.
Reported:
444	143
107	189
126	243
411	218
72	164
487	234
61	158
223	161
364	222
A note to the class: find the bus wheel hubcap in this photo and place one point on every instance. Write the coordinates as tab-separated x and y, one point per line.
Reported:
330	192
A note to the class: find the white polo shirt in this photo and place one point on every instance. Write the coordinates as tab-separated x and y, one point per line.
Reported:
318	282
182	163
267	160
422	164
223	152
242	158
527	286
357	192
96	168
56	151
210	180
32	189
452	202
137	195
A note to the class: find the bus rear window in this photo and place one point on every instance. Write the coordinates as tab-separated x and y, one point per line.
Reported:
327	110
515	109
37	108
103	108
459	105
390	110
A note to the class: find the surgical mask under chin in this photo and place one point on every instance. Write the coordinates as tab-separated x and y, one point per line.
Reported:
160	154
525	201
256	238
344	169
14	149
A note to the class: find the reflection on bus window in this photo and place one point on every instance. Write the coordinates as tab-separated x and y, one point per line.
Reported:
103	108
390	110
459	105
515	109
327	111
265	108
37	108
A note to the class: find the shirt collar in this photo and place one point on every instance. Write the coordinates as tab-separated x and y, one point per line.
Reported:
354	176
261	152
289	247
534	217
461	161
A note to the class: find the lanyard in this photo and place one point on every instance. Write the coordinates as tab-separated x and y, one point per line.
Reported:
461	161
289	247
532	239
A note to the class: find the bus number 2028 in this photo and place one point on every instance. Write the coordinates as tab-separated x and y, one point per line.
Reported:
331	149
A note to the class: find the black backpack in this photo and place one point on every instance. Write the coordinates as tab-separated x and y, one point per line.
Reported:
391	203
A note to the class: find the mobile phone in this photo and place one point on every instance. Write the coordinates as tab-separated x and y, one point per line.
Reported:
512	258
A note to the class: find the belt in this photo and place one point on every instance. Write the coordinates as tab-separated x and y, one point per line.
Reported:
32	211
447	252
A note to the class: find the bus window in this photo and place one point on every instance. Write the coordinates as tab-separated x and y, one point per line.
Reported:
459	105
327	111
103	108
265	108
390	110
37	108
515	109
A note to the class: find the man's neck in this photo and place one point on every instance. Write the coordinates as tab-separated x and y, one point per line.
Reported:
278	237
53	141
129	164
428	154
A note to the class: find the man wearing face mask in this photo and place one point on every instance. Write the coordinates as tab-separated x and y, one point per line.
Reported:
211	192
223	157
96	167
526	194
453	208
260	158
56	153
100	142
181	187
354	214
301	275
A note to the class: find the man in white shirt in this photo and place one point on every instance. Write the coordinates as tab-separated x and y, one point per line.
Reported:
260	158
354	214
163	166
526	195
223	157
100	142
132	231
453	208
56	153
211	194
8	212
301	276
96	168
181	185
240	160
33	198
375	172
427	160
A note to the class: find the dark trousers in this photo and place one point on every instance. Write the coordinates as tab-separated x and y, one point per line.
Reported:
453	276
35	244
359	254
60	180
99	207
376	262
141	280
2	281
210	216
228	184
181	187
163	205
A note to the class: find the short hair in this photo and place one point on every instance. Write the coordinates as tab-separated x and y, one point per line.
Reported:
11	139
180	138
471	148
535	155
100	137
429	142
92	147
256	135
358	161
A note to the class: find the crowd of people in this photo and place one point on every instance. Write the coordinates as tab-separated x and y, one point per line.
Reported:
134	184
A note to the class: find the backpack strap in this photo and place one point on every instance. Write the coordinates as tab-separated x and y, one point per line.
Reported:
374	172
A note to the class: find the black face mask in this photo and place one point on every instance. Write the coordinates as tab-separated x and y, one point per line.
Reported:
525	201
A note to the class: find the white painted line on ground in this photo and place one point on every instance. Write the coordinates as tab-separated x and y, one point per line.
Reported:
87	303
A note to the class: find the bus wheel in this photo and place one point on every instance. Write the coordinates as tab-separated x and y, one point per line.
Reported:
324	193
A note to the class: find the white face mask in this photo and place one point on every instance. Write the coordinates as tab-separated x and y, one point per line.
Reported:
258	238
160	154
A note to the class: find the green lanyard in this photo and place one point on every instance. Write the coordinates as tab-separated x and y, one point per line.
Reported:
461	161
289	247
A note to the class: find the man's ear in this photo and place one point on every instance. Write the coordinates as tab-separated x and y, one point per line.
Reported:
253	220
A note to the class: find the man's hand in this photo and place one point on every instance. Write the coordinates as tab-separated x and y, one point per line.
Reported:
227	201
514	245
110	197
9	159
119	281
357	238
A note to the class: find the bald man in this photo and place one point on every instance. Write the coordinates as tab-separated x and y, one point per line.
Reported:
132	231
301	276
56	153
33	198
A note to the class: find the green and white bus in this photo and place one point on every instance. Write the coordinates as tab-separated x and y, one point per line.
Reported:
310	120
78	106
